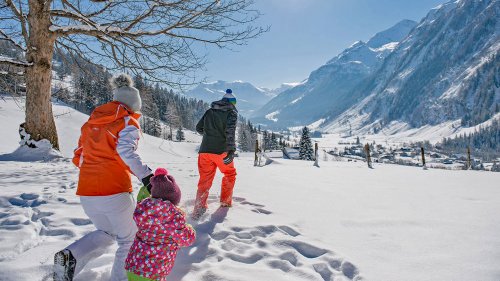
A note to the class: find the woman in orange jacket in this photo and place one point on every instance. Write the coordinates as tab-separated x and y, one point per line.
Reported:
107	157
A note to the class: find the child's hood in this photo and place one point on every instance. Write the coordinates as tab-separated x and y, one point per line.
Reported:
157	211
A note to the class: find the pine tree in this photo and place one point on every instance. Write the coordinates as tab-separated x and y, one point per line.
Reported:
180	135
156	129
243	137
265	140
172	117
273	142
306	151
154	124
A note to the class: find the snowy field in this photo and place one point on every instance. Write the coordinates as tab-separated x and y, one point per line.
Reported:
290	220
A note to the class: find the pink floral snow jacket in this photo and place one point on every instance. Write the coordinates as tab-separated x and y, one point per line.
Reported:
162	231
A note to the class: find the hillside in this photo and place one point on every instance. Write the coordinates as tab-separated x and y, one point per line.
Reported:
328	89
447	69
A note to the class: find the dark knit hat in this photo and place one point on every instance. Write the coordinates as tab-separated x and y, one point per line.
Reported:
163	186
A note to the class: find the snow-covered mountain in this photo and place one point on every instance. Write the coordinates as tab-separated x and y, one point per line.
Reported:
448	68
283	87
249	97
329	87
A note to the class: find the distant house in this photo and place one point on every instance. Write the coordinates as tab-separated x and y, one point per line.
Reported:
358	151
436	155
291	153
495	167
405	154
459	156
386	158
406	149
448	161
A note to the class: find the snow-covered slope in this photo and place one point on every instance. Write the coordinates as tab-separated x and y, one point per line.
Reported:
329	88
290	220
447	69
249	97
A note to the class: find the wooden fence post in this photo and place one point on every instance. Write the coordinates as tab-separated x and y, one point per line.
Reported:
469	165
423	157
256	152
368	157
316	156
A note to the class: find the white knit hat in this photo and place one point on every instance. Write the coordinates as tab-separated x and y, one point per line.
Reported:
124	92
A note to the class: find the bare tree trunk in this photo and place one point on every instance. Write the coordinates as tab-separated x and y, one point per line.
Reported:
39	118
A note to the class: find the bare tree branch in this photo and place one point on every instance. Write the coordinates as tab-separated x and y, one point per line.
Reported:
109	5
20	16
156	38
13	62
9	39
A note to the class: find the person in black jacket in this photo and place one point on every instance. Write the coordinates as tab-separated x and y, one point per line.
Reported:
218	127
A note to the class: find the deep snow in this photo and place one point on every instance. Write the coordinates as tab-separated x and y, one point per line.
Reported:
290	220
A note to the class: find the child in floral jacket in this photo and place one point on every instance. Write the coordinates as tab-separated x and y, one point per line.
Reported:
162	231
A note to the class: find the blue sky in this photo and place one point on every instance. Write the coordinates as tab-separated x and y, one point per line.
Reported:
304	35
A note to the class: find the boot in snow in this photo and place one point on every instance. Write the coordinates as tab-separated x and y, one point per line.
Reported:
198	212
64	266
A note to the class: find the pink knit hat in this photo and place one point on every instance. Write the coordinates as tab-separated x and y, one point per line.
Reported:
163	186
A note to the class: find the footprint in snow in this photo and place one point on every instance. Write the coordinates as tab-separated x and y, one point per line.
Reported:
29	196
272	247
79	221
27	200
256	208
37	215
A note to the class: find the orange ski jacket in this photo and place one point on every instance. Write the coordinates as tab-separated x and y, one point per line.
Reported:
106	153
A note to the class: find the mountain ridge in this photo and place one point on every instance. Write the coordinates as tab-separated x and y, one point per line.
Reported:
249	97
330	85
446	69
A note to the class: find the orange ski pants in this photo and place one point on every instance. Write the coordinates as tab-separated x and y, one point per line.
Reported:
207	166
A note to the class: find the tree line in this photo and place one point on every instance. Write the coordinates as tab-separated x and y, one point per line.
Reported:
484	143
165	113
84	86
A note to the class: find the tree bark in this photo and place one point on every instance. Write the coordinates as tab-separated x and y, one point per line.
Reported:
40	122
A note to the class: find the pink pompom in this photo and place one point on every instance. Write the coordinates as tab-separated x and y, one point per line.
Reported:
161	171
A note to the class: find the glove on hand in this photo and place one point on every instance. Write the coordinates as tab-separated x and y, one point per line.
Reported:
229	157
146	183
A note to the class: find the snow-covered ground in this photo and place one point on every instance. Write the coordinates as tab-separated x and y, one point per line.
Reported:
290	220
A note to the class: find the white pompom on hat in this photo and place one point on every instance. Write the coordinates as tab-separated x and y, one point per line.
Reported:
124	91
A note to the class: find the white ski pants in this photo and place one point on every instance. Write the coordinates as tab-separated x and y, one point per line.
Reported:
113	217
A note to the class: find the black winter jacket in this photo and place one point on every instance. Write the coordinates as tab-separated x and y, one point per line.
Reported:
218	127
